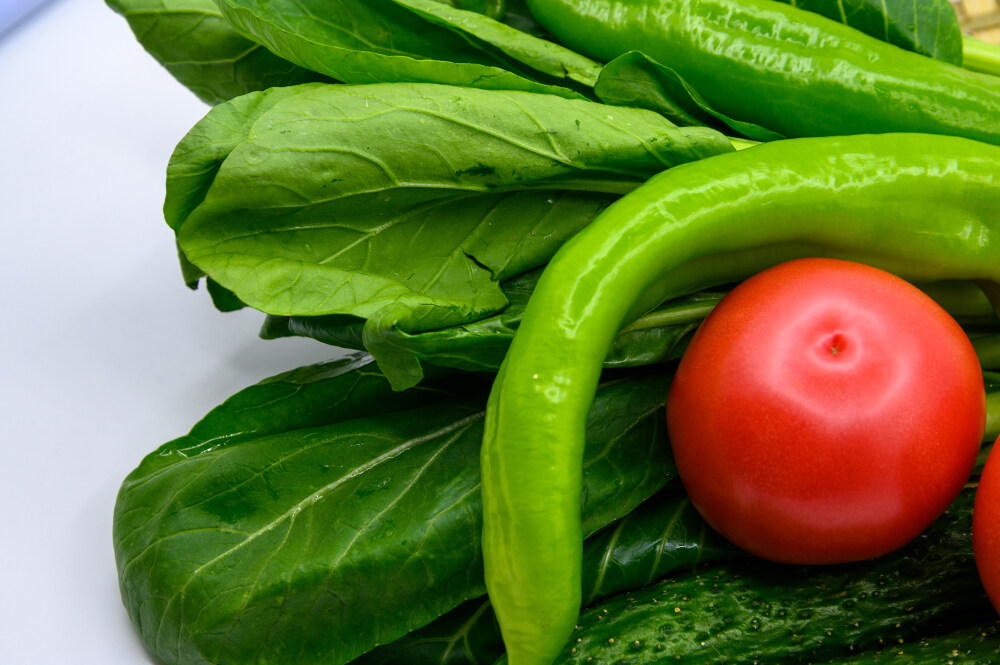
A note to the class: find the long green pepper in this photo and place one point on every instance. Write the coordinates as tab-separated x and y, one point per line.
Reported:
786	69
924	207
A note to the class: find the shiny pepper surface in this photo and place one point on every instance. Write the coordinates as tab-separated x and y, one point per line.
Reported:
789	70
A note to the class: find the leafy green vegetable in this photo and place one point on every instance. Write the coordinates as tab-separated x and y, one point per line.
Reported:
203	52
481	345
542	56
407	204
634	79
373	41
468	635
929	27
325	512
663	535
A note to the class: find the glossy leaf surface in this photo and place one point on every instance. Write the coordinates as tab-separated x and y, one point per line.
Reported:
328	514
637	80
929	27
203	52
372	41
663	535
543	56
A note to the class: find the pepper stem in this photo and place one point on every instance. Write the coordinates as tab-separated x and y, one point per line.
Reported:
980	56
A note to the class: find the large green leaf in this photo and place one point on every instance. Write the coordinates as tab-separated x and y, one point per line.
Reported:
203	52
541	55
411	202
924	26
372	41
663	535
317	515
514	13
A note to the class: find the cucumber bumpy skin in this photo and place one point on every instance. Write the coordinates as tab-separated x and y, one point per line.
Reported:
756	612
974	645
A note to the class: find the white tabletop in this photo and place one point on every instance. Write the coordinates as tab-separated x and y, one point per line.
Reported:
105	353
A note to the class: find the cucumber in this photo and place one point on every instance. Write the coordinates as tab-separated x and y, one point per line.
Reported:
756	612
975	645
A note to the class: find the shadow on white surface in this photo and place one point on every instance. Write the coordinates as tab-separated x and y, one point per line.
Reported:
91	574
16	13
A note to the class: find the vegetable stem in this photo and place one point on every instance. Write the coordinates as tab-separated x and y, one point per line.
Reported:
743	144
689	313
992	415
980	56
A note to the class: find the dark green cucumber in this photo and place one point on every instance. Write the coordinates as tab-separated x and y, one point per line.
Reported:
755	612
663	535
975	645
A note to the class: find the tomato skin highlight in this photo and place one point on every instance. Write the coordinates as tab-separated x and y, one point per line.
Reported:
986	527
825	412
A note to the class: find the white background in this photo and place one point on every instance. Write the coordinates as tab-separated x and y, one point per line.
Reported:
104	354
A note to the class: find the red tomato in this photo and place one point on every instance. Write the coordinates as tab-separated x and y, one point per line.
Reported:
986	527
825	412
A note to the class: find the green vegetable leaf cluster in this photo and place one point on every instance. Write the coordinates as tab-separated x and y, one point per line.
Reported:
404	204
929	27
192	40
323	510
424	41
480	345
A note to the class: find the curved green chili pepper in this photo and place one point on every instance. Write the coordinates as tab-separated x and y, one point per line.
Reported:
924	207
792	71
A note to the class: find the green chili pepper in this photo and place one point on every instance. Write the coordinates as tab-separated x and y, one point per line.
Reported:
924	207
792	71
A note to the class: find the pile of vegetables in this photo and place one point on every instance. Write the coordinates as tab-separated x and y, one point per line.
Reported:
518	214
